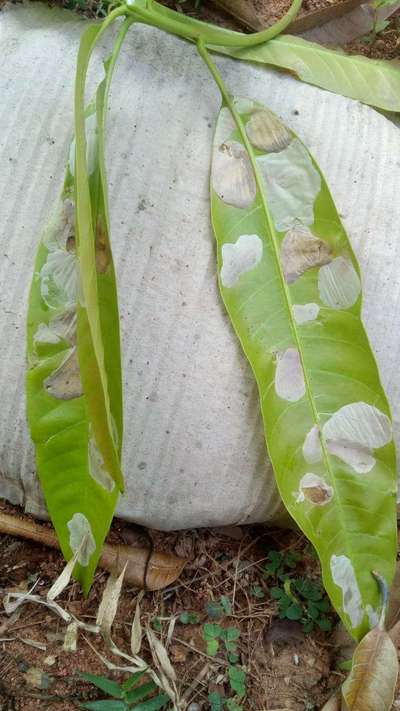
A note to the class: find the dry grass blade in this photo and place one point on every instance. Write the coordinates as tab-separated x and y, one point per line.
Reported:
71	637
109	604
65	576
14	600
164	667
372	680
136	632
160	655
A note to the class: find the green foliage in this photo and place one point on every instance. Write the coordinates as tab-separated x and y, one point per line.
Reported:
128	696
237	680
298	598
375	82
216	610
280	564
294	298
156	624
257	592
189	618
74	387
224	640
298	319
216	701
304	601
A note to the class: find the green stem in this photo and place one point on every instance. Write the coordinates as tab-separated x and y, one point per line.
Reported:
152	13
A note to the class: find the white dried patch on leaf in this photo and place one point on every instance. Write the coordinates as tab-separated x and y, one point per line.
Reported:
292	183
314	488
312	449
356	456
61	229
97	469
79	529
240	257
45	334
361	423
289	376
224	128
59	279
62	327
91	146
266	132
300	251
243	105
339	284
65	383
232	176
344	577
59	274
304	313
354	431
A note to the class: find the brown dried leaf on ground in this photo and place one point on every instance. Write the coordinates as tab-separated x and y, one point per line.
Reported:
372	681
333	704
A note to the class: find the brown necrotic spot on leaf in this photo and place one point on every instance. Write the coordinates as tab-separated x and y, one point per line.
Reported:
81	538
103	252
239	258
65	382
301	250
371	683
289	376
314	488
339	284
354	431
232	175
266	132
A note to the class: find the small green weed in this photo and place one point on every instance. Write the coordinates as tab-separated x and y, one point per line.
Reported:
224	641
128	696
298	598
189	618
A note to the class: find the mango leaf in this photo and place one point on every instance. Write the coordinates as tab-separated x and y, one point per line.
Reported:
78	484
292	288
372	81
94	258
372	680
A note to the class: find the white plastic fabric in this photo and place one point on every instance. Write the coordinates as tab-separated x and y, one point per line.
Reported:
194	452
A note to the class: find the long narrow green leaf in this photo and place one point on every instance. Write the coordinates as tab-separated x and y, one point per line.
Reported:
89	237
291	285
80	491
372	81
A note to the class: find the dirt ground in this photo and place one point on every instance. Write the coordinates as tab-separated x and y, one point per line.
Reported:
285	668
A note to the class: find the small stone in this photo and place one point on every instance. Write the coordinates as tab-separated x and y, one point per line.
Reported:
50	660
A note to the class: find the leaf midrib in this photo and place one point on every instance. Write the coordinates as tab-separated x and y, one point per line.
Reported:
298	343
